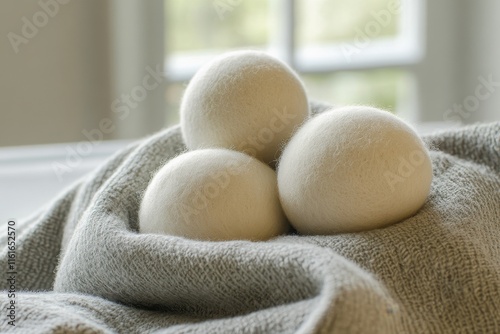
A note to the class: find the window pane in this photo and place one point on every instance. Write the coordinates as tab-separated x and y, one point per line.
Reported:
386	89
333	21
201	25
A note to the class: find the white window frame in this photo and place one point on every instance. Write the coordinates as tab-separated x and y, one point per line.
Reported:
419	51
405	51
136	31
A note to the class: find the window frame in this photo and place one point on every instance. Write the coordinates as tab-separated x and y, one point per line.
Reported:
416	51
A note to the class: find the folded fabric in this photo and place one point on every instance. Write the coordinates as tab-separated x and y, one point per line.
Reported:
84	267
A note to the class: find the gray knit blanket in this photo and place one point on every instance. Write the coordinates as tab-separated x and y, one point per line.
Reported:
82	267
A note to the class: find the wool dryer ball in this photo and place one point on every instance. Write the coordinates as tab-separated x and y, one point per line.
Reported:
352	169
246	101
213	194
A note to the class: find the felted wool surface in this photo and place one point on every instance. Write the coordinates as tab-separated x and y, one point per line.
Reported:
351	169
199	195
85	269
243	100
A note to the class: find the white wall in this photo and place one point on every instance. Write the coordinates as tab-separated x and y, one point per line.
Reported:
462	45
438	73
480	28
58	83
137	49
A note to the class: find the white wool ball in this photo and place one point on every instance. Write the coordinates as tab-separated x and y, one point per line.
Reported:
353	169
213	194
246	101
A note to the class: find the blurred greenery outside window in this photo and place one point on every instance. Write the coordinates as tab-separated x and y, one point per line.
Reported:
328	37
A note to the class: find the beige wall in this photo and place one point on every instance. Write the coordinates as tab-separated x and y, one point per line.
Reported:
481	52
58	83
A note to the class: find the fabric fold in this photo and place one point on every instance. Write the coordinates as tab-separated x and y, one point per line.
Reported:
438	271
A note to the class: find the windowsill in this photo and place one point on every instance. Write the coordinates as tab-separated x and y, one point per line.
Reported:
29	181
427	128
380	53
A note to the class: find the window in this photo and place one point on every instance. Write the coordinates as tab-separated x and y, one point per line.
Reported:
347	52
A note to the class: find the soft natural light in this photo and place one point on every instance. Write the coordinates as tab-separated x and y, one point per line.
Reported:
352	52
